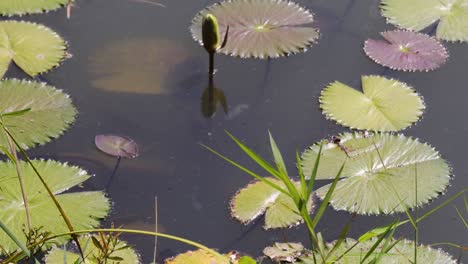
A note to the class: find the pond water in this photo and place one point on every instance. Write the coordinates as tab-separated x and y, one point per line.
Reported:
136	71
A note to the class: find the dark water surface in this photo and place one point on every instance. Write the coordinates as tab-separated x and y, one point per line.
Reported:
136	71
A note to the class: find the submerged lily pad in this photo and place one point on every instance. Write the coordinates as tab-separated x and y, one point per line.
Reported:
51	112
199	256
117	146
285	252
258	198
384	105
401	253
380	172
126	255
21	7
84	209
33	47
260	28
406	51
415	15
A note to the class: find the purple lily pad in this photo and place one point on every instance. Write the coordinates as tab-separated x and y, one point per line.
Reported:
407	51
117	146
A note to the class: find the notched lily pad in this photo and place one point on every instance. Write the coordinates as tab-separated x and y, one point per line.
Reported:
258	198
284	252
84	209
22	7
380	173
117	146
406	51
384	105
33	47
260	28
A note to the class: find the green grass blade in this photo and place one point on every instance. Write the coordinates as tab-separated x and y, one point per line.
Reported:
277	155
16	240
340	240
461	217
313	176
17	113
377	243
304	188
446	202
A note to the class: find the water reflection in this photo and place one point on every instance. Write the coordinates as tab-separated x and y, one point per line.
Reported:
211	97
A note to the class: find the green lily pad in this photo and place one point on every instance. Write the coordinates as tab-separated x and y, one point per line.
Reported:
51	112
401	253
33	47
22	7
197	257
380	172
284	252
84	209
126	255
384	105
258	198
451	15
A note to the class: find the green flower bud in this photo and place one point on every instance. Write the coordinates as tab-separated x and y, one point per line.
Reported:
210	33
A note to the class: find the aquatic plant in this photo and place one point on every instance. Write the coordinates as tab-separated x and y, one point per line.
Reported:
284	252
451	16
33	47
50	112
22	7
406	51
59	177
259	198
117	146
384	105
381	172
260	28
197	257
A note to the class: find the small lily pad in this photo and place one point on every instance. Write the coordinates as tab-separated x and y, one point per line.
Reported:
117	146
284	252
258	198
259	28
406	51
33	47
384	105
197	257
22	7
380	172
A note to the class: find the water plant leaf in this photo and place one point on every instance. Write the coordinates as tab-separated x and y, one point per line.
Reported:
379	176
21	7
60	177
197	257
259	28
51	112
123	251
286	252
415	15
384	105
402	252
117	146
33	47
406	51
258	198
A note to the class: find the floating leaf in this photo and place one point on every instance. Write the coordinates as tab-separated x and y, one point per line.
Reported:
258	198
21	7
51	112
401	253
84	209
406	51
380	172
33	47
384	105
260	28
199	256
58	255
287	252
117	146
452	16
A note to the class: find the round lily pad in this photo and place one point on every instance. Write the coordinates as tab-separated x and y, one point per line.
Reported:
21	7
380	173
259	28
197	257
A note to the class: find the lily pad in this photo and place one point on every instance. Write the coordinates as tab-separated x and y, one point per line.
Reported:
380	172
285	252
384	105
406	51
117	146
260	28
258	198
84	209
126	255
197	257
401	253
33	47
21	7
415	15
51	112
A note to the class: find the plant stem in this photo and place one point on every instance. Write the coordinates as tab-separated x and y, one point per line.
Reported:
211	67
156	228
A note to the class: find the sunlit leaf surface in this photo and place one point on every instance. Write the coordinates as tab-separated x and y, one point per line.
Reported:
383	105
406	51
84	209
21	7
261	28
197	257
286	252
380	173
